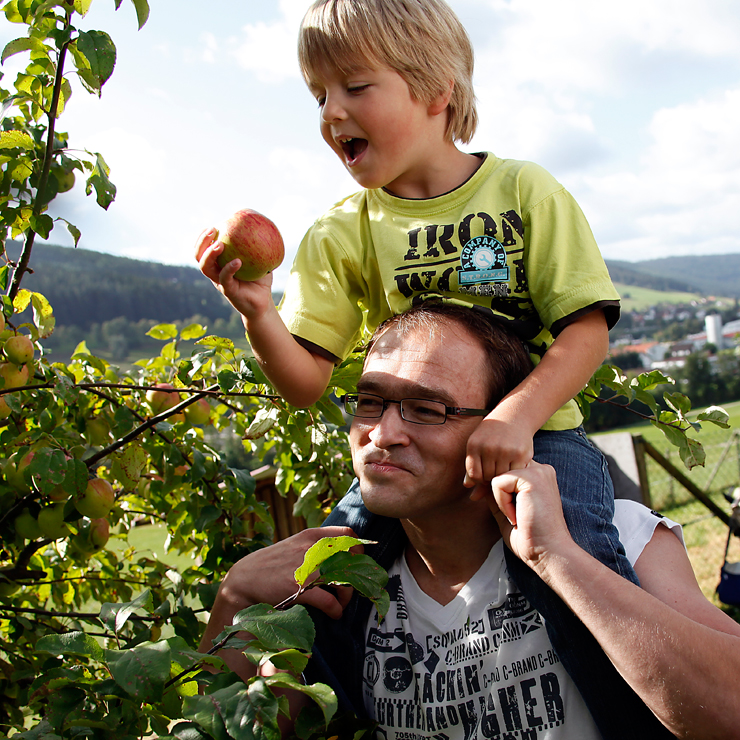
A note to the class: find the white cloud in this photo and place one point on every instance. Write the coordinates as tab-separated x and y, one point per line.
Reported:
684	197
269	49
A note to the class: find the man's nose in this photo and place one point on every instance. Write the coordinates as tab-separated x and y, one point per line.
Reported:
390	429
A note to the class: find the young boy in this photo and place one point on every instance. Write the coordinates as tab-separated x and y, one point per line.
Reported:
393	81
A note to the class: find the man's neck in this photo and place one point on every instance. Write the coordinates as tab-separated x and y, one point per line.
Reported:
443	555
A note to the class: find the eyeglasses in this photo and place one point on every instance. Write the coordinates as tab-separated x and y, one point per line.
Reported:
413	410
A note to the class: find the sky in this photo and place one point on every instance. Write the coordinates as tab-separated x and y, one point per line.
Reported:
633	106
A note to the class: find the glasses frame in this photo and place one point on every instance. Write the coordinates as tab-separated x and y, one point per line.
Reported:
449	410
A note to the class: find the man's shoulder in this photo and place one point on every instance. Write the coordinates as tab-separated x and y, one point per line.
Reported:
637	524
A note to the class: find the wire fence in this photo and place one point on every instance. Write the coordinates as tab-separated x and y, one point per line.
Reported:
720	473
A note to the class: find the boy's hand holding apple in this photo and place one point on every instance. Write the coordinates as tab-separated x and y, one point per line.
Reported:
239	258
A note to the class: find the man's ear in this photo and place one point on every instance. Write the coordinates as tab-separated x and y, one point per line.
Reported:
439	104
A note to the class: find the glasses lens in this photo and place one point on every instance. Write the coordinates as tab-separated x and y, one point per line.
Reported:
364	404
419	411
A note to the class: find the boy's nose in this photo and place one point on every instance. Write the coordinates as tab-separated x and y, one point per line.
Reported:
332	110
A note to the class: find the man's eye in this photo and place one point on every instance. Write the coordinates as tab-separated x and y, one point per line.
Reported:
428	411
369	404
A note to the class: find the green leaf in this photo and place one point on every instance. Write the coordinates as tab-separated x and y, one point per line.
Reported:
253	713
163	332
100	53
650	380
142	670
71	643
105	190
319	692
209	711
128	464
678	402
4	275
276	630
192	331
16	140
715	415
264	420
321	551
116	615
331	411
21	300
48	468
82	6
74	231
43	315
692	453
15	46
142	11
42	224
289	660
220	344
359	571
226	379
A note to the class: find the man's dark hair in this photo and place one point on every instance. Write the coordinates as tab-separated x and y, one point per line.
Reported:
508	359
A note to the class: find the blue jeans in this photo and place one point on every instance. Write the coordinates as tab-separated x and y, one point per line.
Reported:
587	494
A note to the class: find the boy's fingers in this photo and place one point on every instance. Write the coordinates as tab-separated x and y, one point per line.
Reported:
204	241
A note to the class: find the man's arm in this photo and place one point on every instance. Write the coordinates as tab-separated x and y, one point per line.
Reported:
677	651
299	376
503	440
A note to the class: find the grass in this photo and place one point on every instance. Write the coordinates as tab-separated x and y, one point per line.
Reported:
704	533
635	298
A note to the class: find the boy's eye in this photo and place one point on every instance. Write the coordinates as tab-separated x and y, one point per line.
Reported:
356	89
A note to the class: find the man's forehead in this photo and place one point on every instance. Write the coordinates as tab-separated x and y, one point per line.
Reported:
439	362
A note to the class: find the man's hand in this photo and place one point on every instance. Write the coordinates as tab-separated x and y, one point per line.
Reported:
526	505
266	576
252	299
497	446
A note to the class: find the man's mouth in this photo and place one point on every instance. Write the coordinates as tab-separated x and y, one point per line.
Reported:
353	148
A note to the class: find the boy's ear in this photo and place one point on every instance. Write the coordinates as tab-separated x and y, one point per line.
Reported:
440	103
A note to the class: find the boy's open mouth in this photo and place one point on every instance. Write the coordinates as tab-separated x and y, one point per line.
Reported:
352	148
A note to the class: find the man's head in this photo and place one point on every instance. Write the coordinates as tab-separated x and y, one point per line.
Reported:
439	353
421	40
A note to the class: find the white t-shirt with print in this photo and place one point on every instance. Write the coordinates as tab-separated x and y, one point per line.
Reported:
481	666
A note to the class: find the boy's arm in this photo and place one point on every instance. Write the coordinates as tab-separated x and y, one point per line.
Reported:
503	440
299	376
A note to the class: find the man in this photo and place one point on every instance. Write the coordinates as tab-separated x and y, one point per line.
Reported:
461	653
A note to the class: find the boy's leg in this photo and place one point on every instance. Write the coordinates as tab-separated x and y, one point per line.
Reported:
588	504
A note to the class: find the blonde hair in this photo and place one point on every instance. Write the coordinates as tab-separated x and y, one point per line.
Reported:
422	40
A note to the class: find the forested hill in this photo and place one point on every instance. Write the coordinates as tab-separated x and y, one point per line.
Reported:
717	274
86	287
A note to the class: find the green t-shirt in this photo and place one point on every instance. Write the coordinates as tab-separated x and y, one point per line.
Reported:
510	239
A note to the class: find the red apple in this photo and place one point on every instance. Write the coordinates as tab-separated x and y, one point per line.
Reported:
164	397
19	349
14	469
198	413
51	522
14	376
92	537
27	526
97	500
255	240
